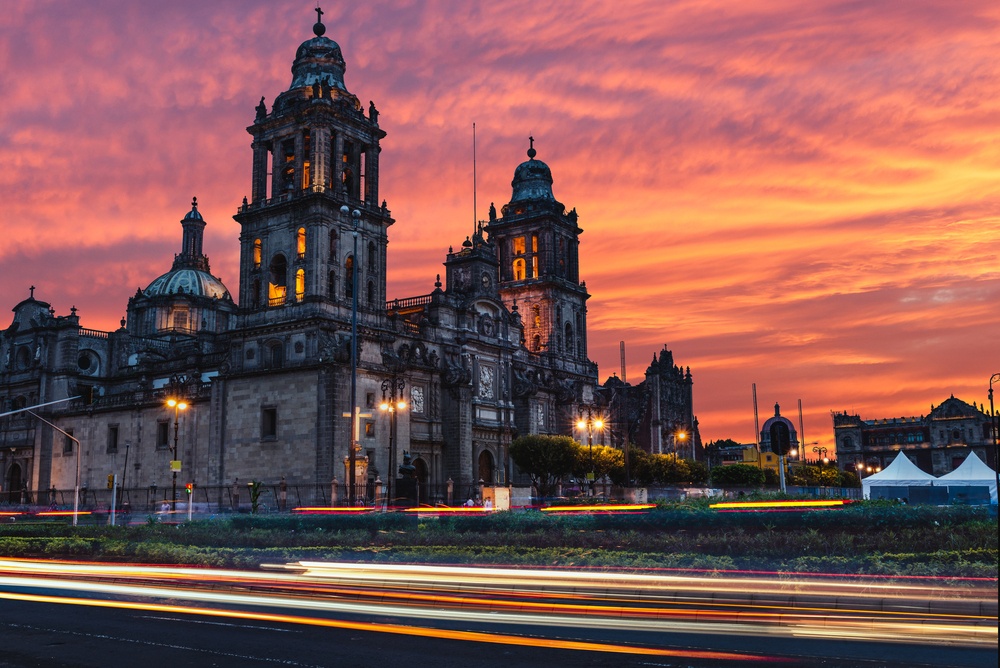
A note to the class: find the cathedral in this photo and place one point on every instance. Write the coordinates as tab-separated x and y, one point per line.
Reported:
289	377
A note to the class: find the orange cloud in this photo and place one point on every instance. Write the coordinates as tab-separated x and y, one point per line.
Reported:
801	195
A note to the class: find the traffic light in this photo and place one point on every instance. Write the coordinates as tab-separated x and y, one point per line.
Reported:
190	488
111	481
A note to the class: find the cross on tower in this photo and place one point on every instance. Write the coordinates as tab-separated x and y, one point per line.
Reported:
319	14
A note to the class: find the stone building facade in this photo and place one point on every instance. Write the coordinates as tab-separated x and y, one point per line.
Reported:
937	442
498	348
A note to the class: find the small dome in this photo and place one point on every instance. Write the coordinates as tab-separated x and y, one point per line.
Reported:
193	214
532	179
318	60
187	281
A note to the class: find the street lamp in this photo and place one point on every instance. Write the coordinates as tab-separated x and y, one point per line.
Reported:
178	405
589	424
392	401
682	437
995	428
821	454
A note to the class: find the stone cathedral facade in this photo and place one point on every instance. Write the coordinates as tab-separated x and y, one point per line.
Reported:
497	348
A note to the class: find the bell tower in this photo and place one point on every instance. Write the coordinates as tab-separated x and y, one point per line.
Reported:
314	152
537	244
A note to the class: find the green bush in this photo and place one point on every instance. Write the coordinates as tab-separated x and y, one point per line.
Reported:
737	475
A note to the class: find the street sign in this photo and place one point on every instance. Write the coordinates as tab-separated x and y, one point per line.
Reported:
175	465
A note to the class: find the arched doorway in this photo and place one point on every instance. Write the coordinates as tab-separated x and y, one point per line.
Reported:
486	467
14	483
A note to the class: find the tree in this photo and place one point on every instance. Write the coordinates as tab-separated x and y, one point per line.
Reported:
546	459
607	461
737	475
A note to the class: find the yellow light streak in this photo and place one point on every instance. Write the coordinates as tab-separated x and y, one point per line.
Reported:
398	629
597	508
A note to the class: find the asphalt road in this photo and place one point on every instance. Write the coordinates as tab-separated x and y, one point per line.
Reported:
385	619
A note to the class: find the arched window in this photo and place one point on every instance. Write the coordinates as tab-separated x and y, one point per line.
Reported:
371	256
332	288
255	293
536	343
536	315
371	293
518	268
333	245
847	442
349	277
300	284
278	285
570	344
257	246
300	242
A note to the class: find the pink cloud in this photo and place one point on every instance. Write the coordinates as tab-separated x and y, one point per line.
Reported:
798	195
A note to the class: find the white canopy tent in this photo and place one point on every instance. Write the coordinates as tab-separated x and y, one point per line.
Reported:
900	473
972	473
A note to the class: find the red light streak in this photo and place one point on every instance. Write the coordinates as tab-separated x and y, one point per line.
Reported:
471	636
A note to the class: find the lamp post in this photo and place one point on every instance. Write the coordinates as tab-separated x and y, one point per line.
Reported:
821	454
355	409
392	401
995	428
178	405
682	437
589	424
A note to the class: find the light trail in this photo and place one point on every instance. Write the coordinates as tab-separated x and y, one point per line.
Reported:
880	612
399	629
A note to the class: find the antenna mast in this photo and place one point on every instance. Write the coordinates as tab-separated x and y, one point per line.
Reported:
475	209
756	423
621	350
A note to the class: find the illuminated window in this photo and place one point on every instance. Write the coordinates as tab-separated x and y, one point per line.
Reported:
536	312
518	268
278	285
180	319
300	242
369	429
307	149
300	284
534	266
518	245
534	243
257	246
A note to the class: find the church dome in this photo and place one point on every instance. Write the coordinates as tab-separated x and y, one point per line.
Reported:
190	274
189	282
532	179
318	60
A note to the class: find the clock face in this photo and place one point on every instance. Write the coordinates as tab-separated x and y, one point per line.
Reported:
487	281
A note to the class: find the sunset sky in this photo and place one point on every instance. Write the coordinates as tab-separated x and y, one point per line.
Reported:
805	195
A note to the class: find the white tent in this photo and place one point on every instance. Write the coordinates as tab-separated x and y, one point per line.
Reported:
972	473
900	473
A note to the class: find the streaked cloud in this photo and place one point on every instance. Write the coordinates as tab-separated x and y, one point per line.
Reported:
801	195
